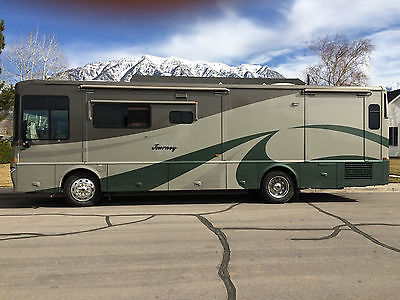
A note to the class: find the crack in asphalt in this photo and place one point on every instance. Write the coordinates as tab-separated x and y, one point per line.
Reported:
109	224
223	271
223	267
354	228
226	256
29	235
120	215
274	229
335	231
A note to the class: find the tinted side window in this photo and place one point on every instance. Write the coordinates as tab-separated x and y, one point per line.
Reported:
139	117
374	116
393	136
181	117
45	117
109	115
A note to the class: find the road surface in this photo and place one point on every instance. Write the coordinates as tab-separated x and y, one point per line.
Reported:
201	247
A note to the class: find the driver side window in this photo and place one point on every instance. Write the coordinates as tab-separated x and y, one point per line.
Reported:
45	117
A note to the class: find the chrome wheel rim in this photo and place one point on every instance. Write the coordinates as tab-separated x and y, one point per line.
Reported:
83	189
278	187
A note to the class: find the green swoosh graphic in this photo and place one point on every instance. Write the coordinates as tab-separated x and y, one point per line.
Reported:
256	153
345	157
157	174
354	131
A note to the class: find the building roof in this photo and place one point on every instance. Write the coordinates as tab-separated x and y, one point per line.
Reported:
393	95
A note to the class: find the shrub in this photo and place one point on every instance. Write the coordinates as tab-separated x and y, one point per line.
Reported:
5	152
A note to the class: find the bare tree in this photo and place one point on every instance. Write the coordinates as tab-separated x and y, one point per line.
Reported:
343	62
36	56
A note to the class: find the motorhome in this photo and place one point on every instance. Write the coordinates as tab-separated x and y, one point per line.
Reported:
278	136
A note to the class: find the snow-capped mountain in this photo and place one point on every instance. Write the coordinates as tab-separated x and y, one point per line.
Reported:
124	69
393	86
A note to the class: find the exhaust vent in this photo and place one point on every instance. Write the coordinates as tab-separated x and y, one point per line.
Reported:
357	171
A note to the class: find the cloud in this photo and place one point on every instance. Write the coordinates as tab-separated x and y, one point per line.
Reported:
79	54
223	39
267	56
385	60
232	38
295	66
308	18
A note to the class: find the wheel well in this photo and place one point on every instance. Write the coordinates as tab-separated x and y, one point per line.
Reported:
78	171
285	170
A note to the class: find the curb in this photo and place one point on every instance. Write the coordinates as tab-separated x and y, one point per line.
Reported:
6	190
391	187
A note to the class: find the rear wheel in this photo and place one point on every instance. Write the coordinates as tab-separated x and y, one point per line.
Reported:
277	187
82	190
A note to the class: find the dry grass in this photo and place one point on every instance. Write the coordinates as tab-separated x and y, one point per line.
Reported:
395	169
395	166
5	179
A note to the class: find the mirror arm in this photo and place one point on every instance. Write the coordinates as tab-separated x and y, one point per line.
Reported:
25	142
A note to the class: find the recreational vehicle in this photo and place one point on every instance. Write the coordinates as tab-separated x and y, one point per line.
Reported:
86	139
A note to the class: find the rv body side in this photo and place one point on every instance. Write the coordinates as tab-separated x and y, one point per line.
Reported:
394	123
232	136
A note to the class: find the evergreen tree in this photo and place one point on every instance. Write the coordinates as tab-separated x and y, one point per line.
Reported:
6	91
2	42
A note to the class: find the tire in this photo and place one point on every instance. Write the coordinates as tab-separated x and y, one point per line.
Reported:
82	189
277	187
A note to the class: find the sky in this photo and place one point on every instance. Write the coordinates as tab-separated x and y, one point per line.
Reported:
273	33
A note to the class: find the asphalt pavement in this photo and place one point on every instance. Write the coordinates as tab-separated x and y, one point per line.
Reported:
342	244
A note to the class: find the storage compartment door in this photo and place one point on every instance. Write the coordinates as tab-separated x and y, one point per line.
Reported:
334	126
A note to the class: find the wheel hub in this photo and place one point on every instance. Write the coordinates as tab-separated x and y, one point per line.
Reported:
278	187
83	189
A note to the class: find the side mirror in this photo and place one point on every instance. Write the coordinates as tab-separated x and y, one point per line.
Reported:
25	142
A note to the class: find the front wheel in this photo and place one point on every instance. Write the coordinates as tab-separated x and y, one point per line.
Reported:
82	190
277	187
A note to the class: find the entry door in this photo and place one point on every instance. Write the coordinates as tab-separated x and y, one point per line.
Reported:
200	166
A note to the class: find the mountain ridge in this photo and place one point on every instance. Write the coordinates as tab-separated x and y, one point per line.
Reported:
393	86
123	69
